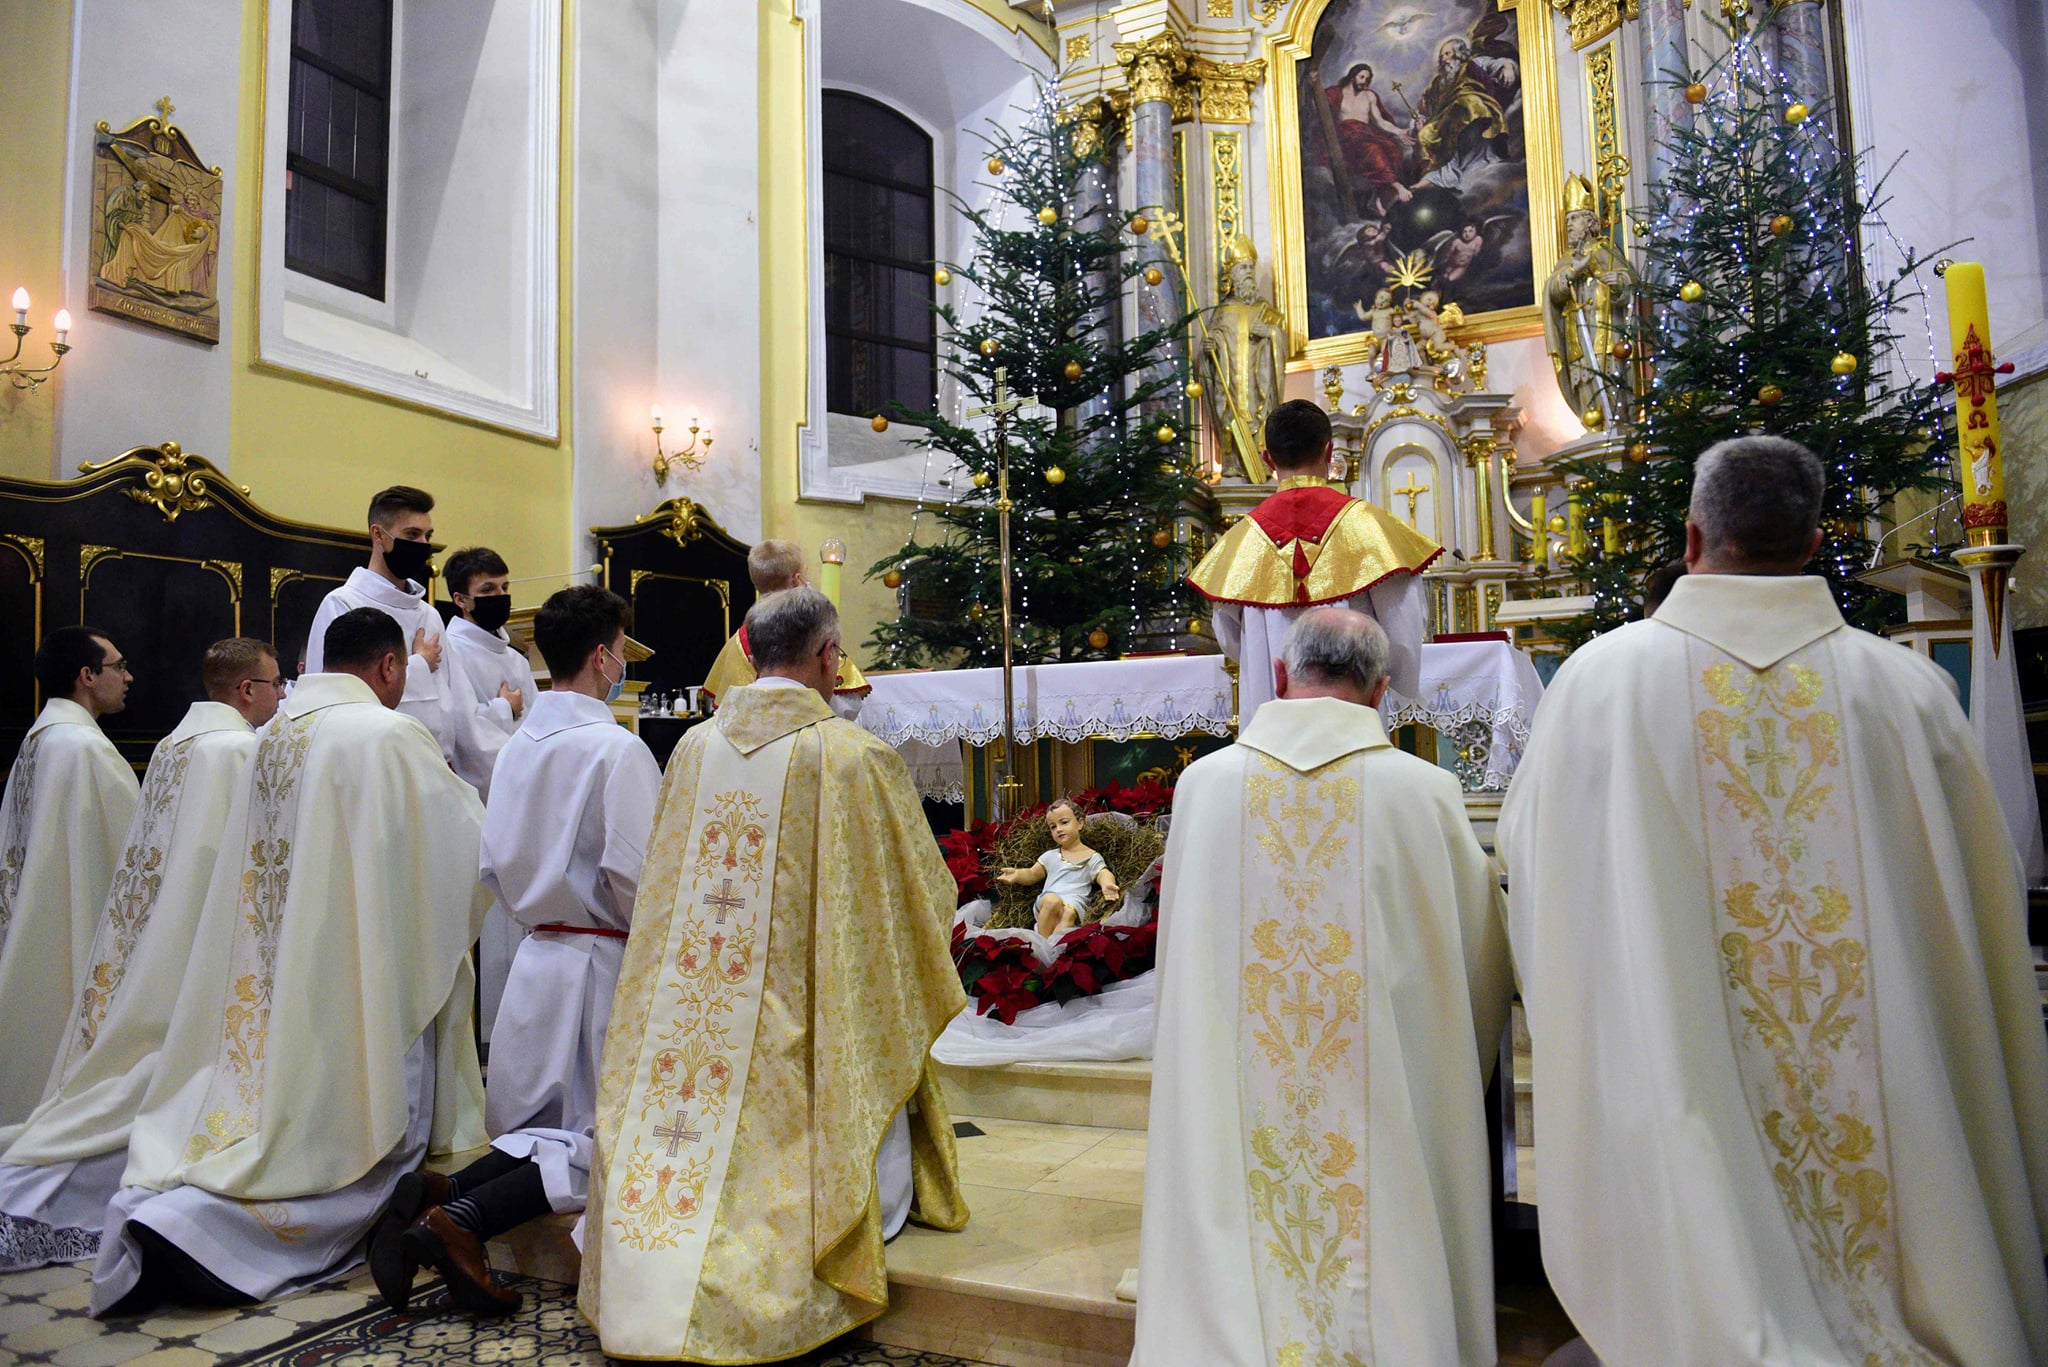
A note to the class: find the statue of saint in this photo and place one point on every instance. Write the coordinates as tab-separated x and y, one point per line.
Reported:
1242	356
1584	302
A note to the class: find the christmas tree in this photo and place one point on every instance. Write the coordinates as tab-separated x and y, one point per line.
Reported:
1098	473
1755	313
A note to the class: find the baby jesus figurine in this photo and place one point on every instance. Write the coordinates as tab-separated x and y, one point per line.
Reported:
1069	871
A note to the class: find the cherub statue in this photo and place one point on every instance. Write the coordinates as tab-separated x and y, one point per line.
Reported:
1070	872
1428	325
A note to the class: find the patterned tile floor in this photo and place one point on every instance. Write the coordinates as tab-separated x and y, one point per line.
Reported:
43	1320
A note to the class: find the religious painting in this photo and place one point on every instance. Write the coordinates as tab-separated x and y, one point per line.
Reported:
1415	150
155	228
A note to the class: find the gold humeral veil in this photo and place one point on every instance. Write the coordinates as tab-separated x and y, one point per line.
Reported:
787	973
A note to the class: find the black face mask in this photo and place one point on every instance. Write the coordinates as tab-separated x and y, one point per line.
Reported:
491	611
408	559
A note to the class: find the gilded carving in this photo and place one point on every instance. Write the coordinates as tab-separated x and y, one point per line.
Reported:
32	548
1226	184
1222	9
90	555
1592	20
1087	118
279	577
685	520
1227	88
173	481
1078	48
1154	69
232	572
1610	166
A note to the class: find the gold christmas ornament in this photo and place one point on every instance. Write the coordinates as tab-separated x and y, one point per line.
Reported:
942	277
1140	225
981	479
1055	475
1098	638
879	423
1194	389
1639	451
1073	370
1621	350
1194	626
1162	538
1796	113
1593	418
893	579
995	166
1696	93
1770	395
976	613
1692	291
988	346
1781	225
1556	523
1844	363
1165	435
1153	275
1048	215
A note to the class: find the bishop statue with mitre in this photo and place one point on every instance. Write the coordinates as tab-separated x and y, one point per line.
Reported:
786	975
1310	544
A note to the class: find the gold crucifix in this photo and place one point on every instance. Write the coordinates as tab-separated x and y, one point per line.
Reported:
1411	491
164	109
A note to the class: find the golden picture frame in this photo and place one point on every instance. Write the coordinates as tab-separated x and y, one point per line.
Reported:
1293	144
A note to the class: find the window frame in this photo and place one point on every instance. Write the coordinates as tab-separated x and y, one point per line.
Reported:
928	191
377	196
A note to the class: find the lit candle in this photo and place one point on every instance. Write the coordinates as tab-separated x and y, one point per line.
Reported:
831	556
20	307
63	325
1969	325
656	412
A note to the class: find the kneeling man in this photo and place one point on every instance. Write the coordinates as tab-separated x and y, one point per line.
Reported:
787	972
1334	981
322	1041
564	834
58	1172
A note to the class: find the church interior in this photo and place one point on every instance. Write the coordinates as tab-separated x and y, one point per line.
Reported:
983	307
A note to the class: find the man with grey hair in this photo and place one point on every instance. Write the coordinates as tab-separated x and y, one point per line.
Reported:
786	973
1333	984
1792	1096
775	566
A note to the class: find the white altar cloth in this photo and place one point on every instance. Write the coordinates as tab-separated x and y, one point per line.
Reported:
1481	694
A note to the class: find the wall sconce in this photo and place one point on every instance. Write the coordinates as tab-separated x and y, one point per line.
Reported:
691	458
24	377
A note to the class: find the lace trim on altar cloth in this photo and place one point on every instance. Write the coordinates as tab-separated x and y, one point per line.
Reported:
26	1244
1489	740
983	728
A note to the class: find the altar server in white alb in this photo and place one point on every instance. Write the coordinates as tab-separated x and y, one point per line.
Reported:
495	688
394	582
1334	983
58	1171
564	835
63	823
1792	1087
322	1043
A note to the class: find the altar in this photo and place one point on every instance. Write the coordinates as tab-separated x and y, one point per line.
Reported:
1478	696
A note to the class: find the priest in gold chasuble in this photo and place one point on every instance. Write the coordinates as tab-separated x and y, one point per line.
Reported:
1310	544
322	1043
786	974
1791	1083
774	566
1334	983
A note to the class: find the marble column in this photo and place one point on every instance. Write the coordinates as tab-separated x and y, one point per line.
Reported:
1155	69
1666	67
1094	210
1800	36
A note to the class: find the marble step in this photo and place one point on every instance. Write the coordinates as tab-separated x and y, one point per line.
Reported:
1108	1095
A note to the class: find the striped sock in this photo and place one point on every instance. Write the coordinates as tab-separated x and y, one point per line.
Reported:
464	1211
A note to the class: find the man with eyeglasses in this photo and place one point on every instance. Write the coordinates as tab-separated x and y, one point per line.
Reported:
59	1170
63	822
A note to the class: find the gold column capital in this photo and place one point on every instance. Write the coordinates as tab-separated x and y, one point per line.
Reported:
1226	88
1087	118
1155	69
1592	20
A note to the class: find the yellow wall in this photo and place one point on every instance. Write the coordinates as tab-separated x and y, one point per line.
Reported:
35	68
316	452
878	527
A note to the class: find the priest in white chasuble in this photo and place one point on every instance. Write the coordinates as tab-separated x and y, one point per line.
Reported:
774	566
564	836
63	823
1334	984
787	972
1311	544
1791	1081
394	582
322	1042
59	1170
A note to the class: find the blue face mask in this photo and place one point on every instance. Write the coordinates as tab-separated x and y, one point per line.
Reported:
618	684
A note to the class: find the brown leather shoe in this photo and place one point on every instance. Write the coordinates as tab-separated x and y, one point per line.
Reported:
458	1254
392	1265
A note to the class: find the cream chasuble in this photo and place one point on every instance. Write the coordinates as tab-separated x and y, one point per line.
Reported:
1792	1087
138	958
337	933
1334	982
769	1024
63	824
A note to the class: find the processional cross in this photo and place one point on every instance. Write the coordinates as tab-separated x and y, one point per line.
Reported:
1003	406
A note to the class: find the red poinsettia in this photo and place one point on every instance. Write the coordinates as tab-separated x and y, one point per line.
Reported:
1004	977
